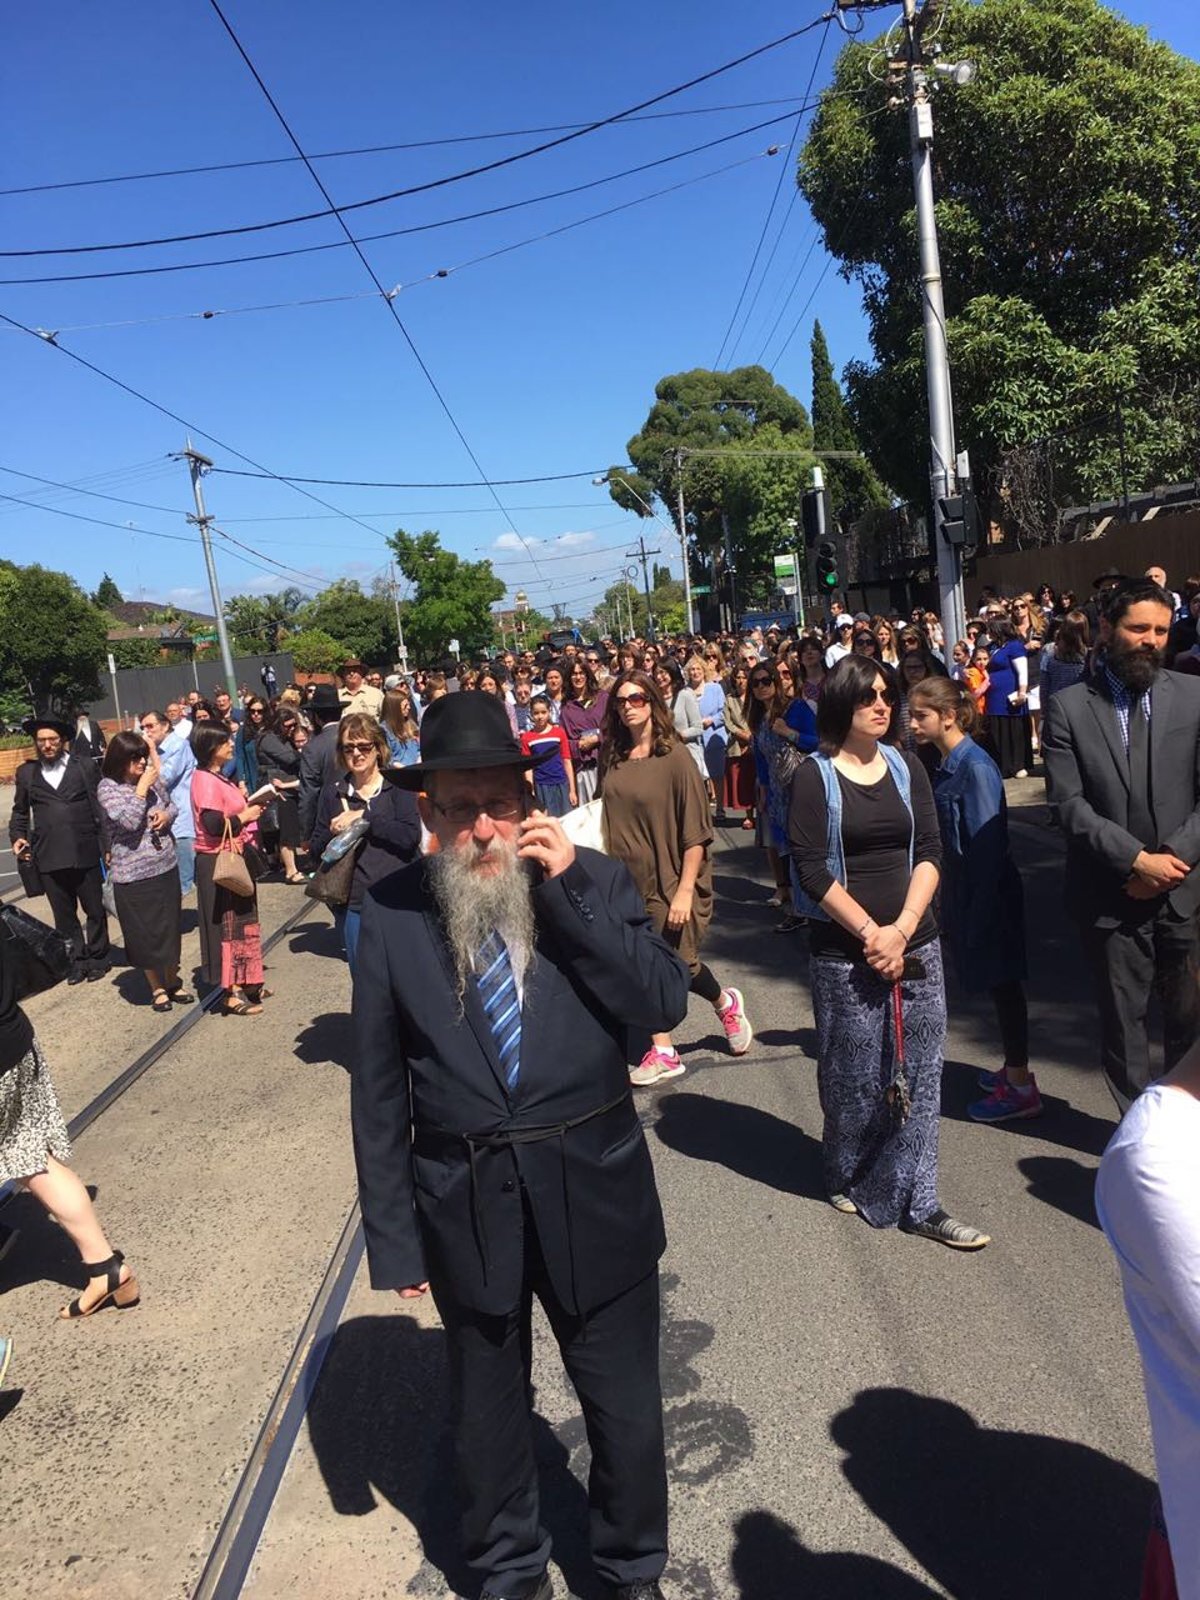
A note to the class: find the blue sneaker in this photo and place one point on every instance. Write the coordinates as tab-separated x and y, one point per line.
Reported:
1008	1104
6	1350
989	1082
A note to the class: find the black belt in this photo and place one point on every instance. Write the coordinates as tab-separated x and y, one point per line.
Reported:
507	1138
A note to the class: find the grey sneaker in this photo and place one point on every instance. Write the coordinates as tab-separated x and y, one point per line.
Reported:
736	1023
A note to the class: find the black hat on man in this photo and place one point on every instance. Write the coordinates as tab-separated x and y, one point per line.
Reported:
464	733
31	725
325	704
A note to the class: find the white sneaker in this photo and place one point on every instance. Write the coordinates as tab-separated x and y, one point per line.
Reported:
656	1065
736	1023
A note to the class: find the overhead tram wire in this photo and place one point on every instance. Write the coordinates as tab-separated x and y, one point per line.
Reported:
388	300
399	233
417	188
821	276
771	208
428	277
384	149
788	168
190	427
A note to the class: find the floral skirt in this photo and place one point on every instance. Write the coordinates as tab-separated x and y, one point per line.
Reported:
230	935
31	1122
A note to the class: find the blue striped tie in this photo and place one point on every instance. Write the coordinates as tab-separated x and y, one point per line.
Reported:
501	1003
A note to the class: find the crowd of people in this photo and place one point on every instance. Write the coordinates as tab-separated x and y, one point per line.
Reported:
867	757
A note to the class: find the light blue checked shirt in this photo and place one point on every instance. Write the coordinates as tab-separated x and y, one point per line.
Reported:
1124	702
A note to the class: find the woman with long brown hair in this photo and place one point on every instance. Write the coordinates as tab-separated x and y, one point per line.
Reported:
657	822
782	727
230	932
738	792
399	725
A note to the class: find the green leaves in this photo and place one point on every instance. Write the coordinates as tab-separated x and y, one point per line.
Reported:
52	638
1068	201
452	598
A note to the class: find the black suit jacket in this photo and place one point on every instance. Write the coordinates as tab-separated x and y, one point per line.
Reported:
82	746
65	825
426	1072
318	763
1088	773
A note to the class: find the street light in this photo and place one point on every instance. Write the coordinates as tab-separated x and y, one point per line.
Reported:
959	73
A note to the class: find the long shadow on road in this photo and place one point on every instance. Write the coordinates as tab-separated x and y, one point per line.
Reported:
771	1562
753	1143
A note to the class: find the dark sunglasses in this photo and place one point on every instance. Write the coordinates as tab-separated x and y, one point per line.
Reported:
636	700
762	683
876	696
359	747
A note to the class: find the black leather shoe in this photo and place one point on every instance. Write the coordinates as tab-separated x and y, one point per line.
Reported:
640	1591
76	975
544	1591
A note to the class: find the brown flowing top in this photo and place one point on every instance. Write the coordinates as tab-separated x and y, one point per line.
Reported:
654	810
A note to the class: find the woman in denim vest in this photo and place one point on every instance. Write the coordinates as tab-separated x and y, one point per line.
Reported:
864	837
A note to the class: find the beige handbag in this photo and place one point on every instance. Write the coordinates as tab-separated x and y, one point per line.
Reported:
230	870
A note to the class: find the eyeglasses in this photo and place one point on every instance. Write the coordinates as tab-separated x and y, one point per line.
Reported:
357	747
637	700
256	711
463	813
762	683
886	697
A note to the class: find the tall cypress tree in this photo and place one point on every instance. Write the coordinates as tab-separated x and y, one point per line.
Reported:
853	485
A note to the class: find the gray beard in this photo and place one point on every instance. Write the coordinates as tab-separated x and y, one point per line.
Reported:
471	906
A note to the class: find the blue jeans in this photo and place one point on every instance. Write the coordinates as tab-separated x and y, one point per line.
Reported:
346	919
185	850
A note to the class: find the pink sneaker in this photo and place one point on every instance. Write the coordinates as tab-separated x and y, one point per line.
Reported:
736	1023
656	1065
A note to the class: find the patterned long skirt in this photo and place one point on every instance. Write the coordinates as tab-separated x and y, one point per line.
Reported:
885	1162
230	935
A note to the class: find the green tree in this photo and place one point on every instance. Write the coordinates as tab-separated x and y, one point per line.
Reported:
141	651
746	455
259	624
107	594
853	485
1068	207
312	650
363	624
452	598
53	639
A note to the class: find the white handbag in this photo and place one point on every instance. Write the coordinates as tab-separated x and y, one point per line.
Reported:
585	827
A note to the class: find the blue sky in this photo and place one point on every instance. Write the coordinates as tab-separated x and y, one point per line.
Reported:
547	355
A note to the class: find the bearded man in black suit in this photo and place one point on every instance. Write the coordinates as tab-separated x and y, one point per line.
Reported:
499	1152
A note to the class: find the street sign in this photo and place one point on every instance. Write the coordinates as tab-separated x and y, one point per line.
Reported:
112	664
454	647
701	588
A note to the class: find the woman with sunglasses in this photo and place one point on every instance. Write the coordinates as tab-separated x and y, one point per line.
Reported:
780	726
245	744
864	837
393	836
710	698
279	764
230	931
657	822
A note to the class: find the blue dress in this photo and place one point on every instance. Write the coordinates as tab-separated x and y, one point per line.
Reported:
714	739
983	902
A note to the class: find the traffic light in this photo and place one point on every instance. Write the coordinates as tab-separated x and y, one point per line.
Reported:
816	515
959	518
827	573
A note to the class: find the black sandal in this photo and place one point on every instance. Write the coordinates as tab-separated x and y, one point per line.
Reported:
241	1008
181	996
120	1294
161	1001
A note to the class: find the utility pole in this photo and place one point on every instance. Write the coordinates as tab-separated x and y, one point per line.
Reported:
400	646
943	480
683	540
197	465
645	554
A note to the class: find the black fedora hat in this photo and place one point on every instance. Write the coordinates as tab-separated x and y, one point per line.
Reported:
464	733
63	729
324	701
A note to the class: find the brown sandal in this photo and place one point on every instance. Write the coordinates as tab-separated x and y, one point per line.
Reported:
121	1294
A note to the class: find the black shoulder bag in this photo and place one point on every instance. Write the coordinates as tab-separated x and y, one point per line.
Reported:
40	956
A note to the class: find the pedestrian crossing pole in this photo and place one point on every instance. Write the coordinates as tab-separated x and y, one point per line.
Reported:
197	465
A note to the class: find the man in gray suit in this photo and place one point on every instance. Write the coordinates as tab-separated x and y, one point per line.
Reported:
1122	752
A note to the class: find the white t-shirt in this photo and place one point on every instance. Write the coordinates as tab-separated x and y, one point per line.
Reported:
1148	1200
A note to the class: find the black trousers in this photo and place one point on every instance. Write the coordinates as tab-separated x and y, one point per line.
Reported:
68	887
611	1358
1157	953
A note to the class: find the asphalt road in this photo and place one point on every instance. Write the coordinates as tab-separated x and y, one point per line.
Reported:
850	1414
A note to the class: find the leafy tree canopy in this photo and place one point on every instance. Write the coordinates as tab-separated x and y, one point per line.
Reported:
452	598
137	652
735	496
313	650
259	624
1068	201
363	624
853	485
107	594
53	639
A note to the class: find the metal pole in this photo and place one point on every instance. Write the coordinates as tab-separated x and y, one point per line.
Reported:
646	587
400	646
687	565
942	476
196	464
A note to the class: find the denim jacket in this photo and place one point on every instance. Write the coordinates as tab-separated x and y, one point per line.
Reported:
835	855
